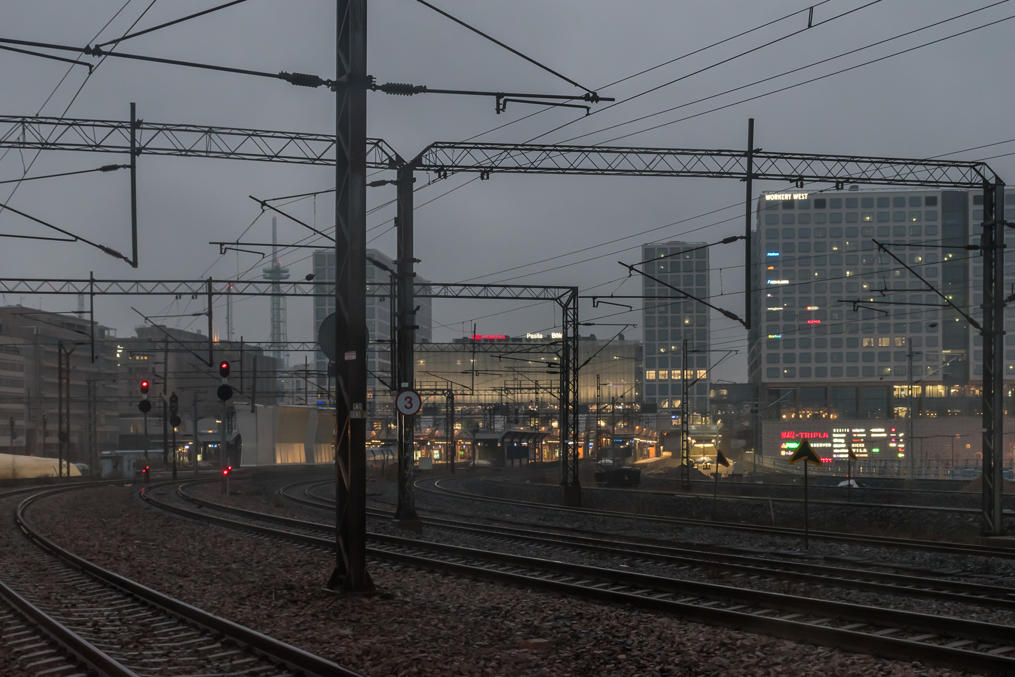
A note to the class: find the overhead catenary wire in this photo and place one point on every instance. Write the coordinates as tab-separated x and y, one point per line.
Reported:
769	78
818	78
840	71
103	168
645	70
501	44
128	36
668	62
52	57
77	93
628	77
711	66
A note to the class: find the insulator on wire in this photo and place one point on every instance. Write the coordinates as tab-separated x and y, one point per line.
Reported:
401	88
302	79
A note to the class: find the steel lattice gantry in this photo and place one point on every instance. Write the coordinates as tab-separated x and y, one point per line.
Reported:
749	164
489	158
159	138
114	287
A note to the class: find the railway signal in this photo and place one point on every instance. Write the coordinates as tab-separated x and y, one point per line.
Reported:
225	479
144	405
146	471
225	391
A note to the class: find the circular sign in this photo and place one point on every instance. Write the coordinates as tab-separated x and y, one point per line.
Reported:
145	406
408	402
326	337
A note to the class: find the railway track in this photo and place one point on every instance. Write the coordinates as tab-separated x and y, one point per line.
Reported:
985	550
116	626
874	630
643	554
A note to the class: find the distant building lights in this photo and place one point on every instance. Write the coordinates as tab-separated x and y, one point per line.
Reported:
775	336
813	321
812	307
772	254
773	283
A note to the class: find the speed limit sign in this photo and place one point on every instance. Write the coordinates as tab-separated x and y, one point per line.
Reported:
408	402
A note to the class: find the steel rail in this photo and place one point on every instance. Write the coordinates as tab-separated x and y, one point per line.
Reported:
65	639
284	655
822	574
838	536
885	632
1008	512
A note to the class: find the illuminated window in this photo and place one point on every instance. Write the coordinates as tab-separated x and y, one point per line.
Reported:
650	375
900	341
868	342
664	374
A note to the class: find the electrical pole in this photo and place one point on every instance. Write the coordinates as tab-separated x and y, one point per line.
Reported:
93	431
406	337
165	420
748	180
350	572
910	439
59	413
596	426
196	445
449	421
992	246
685	450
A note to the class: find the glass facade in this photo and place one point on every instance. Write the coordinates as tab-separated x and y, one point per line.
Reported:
668	320
831	308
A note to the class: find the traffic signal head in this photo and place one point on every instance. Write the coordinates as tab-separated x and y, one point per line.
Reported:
225	391
223	369
144	406
226	470
144	386
146	469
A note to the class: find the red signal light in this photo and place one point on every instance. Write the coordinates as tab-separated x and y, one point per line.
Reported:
223	369
226	470
144	386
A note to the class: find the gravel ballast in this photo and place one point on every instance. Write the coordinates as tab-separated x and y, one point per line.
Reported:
417	623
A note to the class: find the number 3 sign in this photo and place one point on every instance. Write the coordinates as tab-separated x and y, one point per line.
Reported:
408	402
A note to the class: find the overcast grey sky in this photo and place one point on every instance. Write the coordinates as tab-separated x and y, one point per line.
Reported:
942	98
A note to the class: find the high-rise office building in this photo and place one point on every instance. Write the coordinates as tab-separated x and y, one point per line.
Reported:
841	329
669	321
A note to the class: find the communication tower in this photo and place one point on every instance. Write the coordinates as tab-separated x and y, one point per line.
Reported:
275	273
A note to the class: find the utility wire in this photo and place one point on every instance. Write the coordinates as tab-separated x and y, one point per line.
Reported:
53	57
709	67
645	71
77	93
108	250
784	73
104	168
128	36
623	79
59	83
501	44
814	79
